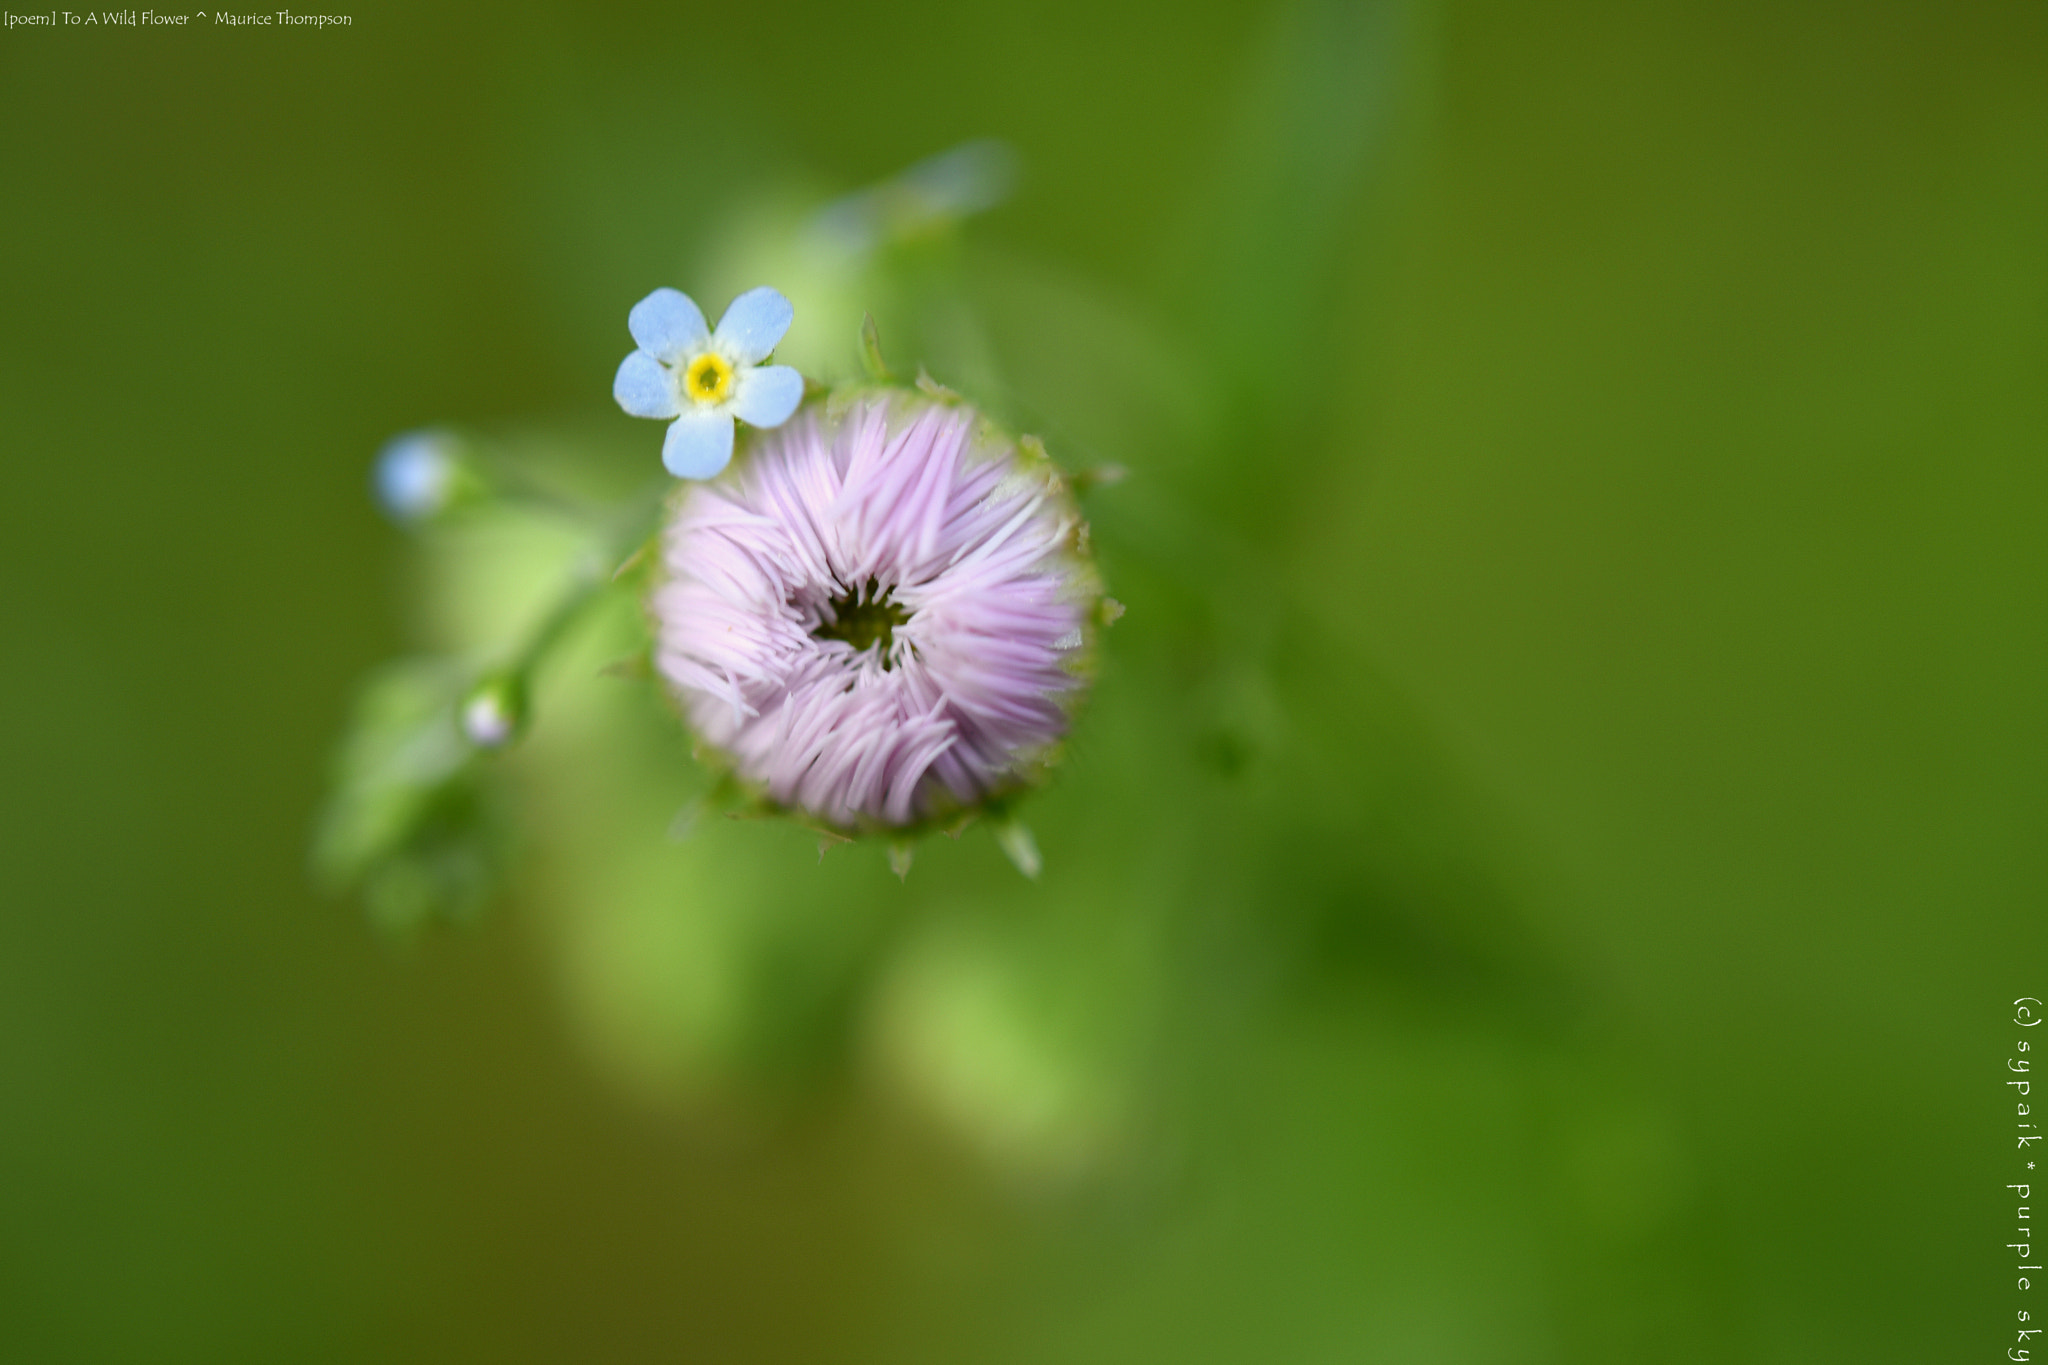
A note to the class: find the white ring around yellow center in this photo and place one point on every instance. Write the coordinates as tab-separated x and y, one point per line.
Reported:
708	378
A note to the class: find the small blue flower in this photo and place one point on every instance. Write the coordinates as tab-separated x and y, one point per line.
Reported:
416	476
704	379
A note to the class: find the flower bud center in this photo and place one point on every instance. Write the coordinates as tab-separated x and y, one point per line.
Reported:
708	378
864	617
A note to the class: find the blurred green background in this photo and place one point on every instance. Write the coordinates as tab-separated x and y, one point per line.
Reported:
1541	878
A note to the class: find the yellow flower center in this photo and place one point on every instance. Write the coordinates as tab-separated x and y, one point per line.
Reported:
708	379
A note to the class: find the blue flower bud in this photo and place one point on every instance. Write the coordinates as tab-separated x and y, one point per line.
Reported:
416	476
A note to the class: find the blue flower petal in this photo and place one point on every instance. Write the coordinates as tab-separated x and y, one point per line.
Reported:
767	396
667	325
644	388
753	325
699	443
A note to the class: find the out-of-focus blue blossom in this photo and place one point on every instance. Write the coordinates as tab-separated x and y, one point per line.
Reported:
703	379
416	476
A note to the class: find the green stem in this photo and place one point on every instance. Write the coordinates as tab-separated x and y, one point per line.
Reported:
630	532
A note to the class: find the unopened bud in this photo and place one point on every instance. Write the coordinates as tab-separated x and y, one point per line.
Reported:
417	476
494	713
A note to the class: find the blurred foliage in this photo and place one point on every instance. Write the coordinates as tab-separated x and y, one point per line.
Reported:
1538	877
406	824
